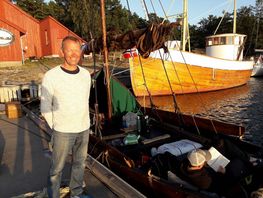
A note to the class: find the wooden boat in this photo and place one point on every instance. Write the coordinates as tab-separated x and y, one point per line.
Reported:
178	71
128	160
195	73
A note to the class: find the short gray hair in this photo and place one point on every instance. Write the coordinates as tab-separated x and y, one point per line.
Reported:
71	38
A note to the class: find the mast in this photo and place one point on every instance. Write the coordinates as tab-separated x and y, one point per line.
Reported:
235	17
105	55
185	25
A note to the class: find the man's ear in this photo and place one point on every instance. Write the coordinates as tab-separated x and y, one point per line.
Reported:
61	53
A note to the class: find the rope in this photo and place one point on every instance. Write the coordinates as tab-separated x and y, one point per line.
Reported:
175	104
167	77
222	18
155	16
145	8
196	124
252	33
106	155
169	82
123	71
144	80
197	91
210	11
94	82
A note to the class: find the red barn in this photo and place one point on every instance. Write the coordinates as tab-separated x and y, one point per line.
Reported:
32	38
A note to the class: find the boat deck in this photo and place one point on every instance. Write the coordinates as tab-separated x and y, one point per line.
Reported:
25	164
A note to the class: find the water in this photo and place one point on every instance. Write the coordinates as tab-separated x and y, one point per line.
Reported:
241	106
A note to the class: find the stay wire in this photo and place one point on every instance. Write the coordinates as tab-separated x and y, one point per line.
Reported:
145	84
197	91
167	77
169	83
181	84
94	81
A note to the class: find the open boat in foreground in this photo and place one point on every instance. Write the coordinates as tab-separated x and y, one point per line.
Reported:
127	151
127	148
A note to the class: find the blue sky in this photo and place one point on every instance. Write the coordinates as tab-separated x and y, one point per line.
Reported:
197	9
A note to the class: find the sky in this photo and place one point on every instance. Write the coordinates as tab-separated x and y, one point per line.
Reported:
197	9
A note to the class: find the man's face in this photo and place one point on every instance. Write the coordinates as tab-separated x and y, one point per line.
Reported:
71	52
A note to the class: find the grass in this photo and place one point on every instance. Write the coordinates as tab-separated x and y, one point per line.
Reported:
115	60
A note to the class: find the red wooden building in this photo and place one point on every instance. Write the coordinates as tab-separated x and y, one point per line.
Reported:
32	38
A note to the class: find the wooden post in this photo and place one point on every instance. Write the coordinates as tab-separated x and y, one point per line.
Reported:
106	62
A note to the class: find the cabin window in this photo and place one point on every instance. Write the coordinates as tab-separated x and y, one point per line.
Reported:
209	42
223	40
237	40
229	40
216	41
46	37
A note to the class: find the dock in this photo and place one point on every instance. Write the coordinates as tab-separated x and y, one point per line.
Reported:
25	161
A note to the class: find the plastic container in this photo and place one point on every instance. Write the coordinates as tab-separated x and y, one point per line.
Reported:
131	139
129	120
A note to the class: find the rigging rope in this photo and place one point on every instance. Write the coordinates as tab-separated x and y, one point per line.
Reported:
225	11
96	105
145	83
144	80
155	16
194	86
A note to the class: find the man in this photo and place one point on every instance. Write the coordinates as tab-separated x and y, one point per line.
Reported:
65	106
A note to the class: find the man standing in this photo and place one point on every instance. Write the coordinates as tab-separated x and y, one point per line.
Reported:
65	106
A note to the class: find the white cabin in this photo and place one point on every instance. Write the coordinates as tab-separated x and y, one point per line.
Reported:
226	46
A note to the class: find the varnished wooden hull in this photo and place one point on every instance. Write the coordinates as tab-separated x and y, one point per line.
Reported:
187	73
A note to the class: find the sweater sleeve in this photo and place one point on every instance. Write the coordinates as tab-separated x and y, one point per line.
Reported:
47	91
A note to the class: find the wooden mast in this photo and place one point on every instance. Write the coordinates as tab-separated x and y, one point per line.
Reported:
105	54
185	25
235	17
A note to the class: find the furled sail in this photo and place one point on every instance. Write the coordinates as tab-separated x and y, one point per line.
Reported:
145	40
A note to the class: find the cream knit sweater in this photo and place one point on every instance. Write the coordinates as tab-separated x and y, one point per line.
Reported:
65	100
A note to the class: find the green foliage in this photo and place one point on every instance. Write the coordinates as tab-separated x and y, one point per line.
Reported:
80	13
37	8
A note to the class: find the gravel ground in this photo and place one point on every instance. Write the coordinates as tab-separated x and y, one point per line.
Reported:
34	71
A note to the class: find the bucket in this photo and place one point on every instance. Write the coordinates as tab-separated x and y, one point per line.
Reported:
13	110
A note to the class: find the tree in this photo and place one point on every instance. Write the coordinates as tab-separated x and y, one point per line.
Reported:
37	8
117	18
245	25
81	14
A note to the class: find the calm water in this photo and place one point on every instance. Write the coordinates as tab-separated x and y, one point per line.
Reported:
241	105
